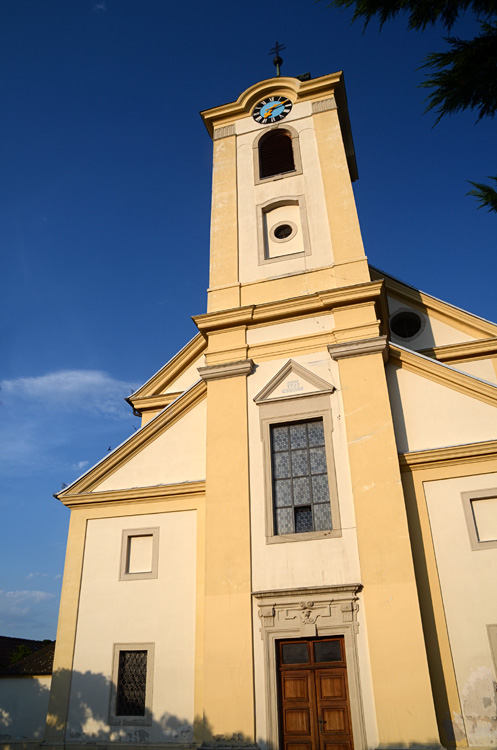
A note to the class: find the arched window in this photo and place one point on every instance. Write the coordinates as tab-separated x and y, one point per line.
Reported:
276	153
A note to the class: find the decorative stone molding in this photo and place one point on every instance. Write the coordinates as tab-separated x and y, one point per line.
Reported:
309	613
329	606
226	370
324	105
303	382
360	348
223	132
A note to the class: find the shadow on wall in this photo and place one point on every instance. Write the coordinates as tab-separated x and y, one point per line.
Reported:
88	717
23	707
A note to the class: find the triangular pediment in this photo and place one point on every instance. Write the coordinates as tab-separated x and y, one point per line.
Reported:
292	381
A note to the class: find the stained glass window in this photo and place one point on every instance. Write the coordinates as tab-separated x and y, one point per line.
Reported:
301	498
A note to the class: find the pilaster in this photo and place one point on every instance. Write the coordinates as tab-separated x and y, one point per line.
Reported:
403	697
228	667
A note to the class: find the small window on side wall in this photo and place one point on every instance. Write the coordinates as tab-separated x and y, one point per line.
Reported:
276	154
132	676
480	510
139	554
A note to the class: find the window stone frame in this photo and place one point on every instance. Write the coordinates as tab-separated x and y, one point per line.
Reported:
467	500
127	534
286	411
143	721
264	208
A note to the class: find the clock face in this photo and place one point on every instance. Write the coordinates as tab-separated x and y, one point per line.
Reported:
272	109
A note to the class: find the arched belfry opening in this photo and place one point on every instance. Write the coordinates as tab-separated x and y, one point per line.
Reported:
276	153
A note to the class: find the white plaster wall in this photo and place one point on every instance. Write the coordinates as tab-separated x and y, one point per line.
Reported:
159	611
430	415
467	580
187	378
178	455
309	184
280	331
308	563
23	707
304	563
435	332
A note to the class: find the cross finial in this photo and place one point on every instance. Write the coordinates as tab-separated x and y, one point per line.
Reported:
277	60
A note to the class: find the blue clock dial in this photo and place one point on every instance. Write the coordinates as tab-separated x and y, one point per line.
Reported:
272	109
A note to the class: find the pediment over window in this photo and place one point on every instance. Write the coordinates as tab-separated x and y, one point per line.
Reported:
292	381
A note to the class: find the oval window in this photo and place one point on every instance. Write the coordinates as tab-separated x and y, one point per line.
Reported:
405	324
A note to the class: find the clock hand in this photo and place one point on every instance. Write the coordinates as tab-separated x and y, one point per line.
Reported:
273	106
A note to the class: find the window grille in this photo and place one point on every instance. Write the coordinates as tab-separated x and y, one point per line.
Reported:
276	153
301	496
131	683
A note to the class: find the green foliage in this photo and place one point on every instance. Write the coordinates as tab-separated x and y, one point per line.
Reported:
422	13
463	76
484	194
20	652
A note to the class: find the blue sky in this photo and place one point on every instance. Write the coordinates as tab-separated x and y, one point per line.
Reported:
105	159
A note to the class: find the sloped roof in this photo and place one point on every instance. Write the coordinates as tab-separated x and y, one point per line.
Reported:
39	663
9	645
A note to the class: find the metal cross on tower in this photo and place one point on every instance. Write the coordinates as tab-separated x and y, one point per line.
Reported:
277	60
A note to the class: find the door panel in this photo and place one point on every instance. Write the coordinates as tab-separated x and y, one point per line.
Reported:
314	701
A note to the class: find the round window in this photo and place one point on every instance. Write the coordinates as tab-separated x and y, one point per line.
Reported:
284	231
406	324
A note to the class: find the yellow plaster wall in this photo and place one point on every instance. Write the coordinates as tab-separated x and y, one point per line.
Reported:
342	214
228	669
481	368
187	378
430	415
404	706
224	228
178	455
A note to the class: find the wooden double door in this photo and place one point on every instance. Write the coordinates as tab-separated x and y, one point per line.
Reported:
314	705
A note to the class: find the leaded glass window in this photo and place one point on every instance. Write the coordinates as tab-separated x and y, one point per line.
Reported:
131	683
301	498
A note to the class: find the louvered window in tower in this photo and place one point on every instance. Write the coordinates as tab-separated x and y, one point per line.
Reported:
276	154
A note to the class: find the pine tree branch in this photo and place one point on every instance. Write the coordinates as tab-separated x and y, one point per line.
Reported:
485	194
465	76
421	13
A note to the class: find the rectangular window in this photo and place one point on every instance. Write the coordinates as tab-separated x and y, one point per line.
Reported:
301	497
131	683
480	510
132	677
139	554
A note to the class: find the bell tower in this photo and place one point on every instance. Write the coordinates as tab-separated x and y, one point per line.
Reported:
284	221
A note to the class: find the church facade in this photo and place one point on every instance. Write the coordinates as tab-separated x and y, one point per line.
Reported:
297	548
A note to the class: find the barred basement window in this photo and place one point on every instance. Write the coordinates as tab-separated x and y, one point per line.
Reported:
301	497
276	153
131	683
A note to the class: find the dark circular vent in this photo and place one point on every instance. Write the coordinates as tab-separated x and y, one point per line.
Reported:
405	324
283	231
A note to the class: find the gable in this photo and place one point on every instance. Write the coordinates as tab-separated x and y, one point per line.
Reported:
181	453
291	381
429	414
177	455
